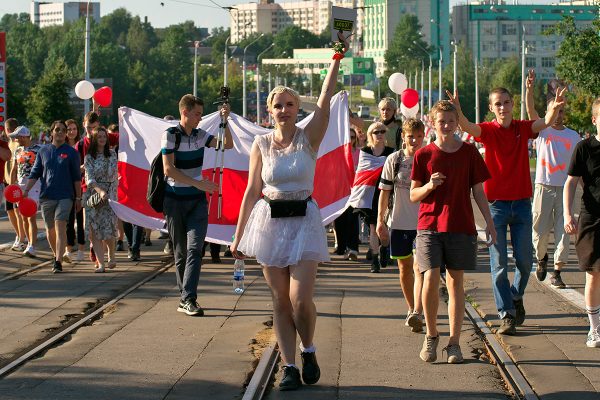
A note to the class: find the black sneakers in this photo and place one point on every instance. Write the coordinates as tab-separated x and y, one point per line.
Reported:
190	307
291	379
310	369
508	327
556	280
384	256
520	312
542	268
119	246
375	264
57	267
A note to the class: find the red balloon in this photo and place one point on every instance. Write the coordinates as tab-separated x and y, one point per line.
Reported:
103	96
13	193
27	207
410	97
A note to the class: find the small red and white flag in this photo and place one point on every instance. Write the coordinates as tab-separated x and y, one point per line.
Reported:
139	143
366	179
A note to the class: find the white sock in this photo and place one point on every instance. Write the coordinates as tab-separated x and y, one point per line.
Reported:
292	365
593	313
309	349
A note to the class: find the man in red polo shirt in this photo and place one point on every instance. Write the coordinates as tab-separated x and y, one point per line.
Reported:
509	193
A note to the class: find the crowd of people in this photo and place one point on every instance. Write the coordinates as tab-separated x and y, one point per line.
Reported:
420	215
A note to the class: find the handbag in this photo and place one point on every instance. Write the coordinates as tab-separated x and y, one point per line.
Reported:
287	208
94	201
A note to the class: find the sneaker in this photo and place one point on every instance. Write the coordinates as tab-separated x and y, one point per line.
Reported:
215	259
310	369
520	310
29	251
147	242
227	253
369	255
556	281
16	244
135	256
57	267
92	255
99	269
67	257
190	307
168	248
119	246
130	253
384	256
19	247
111	265
291	379
593	339
542	268
508	327
79	256
351	255
375	264
415	321
429	350
454	354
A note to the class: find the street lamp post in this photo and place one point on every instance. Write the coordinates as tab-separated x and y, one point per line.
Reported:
440	75
258	83
429	102
225	62
244	99
455	69
196	44
86	103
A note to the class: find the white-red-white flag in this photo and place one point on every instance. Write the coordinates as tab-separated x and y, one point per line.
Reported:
367	176
139	143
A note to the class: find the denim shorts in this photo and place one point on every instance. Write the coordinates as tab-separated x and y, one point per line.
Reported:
452	250
55	210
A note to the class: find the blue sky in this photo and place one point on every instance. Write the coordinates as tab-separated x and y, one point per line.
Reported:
203	12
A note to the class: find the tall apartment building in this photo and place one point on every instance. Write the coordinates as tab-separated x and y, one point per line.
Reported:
382	16
495	30
266	16
47	14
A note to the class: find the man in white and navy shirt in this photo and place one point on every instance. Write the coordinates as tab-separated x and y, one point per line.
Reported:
185	204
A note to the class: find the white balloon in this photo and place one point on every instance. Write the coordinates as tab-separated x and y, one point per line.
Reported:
397	82
84	89
409	112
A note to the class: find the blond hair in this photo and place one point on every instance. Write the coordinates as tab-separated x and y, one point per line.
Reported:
596	108
441	106
411	125
374	126
282	89
388	101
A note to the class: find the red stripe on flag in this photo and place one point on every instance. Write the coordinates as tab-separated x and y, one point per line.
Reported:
234	186
133	185
369	177
333	176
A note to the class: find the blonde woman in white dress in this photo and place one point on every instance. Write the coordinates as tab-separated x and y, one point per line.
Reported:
282	167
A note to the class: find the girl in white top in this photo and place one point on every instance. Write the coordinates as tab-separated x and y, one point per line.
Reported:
402	219
282	165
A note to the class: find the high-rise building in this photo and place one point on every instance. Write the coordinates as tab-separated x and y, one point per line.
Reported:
382	16
266	16
496	30
47	14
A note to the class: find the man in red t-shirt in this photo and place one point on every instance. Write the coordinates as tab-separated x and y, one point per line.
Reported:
509	193
444	174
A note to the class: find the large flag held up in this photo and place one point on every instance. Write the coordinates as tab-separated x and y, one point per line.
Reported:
139	143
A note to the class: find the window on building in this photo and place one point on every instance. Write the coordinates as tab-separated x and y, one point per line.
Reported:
547	62
509	45
489	29
530	45
546	27
509	29
530	62
488	46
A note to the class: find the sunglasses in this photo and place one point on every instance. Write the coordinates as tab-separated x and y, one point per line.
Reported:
378	132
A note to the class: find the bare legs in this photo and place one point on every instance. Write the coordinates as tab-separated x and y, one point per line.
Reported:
411	282
294	311
456	302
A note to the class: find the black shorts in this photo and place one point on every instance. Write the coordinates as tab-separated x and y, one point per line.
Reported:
9	205
402	243
587	245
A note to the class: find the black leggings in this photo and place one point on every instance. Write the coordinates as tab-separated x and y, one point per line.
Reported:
71	228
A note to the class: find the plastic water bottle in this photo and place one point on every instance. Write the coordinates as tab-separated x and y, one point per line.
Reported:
238	276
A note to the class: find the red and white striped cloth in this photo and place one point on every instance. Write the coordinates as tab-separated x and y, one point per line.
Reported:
139	143
366	179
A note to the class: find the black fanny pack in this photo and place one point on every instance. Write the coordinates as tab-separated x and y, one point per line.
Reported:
287	208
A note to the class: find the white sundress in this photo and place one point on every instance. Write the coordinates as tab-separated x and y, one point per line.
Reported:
287	174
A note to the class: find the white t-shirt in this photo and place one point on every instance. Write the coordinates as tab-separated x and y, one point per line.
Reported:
554	150
404	213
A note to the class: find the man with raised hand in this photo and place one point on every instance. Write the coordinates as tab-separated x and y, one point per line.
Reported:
509	193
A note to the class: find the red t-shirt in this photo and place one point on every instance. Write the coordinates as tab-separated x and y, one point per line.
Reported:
448	207
4	145
507	159
113	140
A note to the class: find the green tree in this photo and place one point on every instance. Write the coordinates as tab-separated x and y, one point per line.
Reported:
403	54
294	37
49	100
